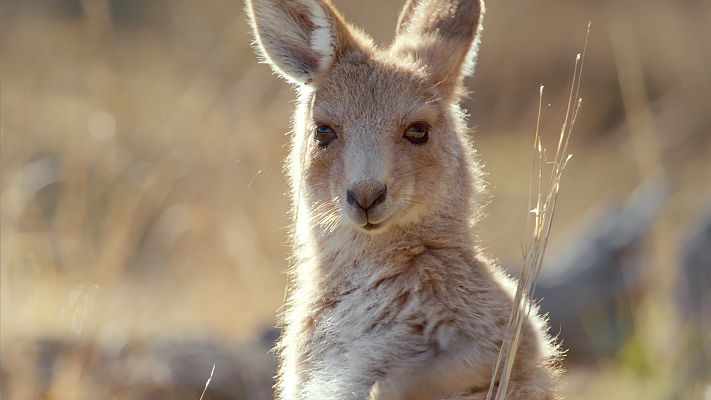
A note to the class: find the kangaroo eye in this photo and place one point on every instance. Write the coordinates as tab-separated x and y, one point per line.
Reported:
417	133
324	135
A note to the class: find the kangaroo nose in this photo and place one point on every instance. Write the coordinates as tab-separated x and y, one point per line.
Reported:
366	194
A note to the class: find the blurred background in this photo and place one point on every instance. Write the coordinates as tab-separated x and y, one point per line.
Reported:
145	223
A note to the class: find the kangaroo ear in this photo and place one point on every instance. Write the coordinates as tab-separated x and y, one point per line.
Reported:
444	35
298	38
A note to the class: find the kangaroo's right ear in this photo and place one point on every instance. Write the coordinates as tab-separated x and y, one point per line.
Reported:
298	38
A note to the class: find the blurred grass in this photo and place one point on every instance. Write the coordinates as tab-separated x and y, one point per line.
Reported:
142	147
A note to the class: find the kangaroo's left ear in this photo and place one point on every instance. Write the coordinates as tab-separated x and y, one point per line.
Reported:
444	36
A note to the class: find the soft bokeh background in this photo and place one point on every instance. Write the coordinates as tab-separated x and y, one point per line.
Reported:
145	223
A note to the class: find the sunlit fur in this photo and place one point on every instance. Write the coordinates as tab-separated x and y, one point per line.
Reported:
407	308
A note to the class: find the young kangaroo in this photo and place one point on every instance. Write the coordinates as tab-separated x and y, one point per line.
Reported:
391	298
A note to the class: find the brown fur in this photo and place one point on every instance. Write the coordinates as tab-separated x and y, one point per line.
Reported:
395	302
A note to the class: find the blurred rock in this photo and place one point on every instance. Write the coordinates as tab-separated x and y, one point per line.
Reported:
693	295
588	289
176	369
694	292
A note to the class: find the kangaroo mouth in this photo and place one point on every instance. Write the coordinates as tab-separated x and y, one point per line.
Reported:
371	227
368	221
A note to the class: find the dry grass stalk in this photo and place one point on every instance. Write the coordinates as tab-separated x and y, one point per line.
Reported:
207	383
539	222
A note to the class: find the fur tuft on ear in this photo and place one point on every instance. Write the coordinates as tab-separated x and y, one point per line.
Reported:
298	38
444	35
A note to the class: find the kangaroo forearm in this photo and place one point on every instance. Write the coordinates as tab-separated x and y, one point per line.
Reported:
460	369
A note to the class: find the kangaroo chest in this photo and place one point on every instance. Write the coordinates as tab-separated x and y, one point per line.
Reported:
374	323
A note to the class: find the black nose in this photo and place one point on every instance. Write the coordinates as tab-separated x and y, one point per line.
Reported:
366	194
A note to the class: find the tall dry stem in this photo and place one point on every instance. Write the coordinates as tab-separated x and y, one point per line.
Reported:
538	225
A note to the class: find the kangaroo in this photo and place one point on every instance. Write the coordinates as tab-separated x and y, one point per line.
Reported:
391	297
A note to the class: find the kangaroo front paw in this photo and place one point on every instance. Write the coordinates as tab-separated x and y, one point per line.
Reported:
395	389
386	390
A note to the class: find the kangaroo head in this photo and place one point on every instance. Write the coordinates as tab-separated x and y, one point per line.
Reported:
379	139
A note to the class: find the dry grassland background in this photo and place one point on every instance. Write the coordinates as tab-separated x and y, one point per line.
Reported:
144	217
